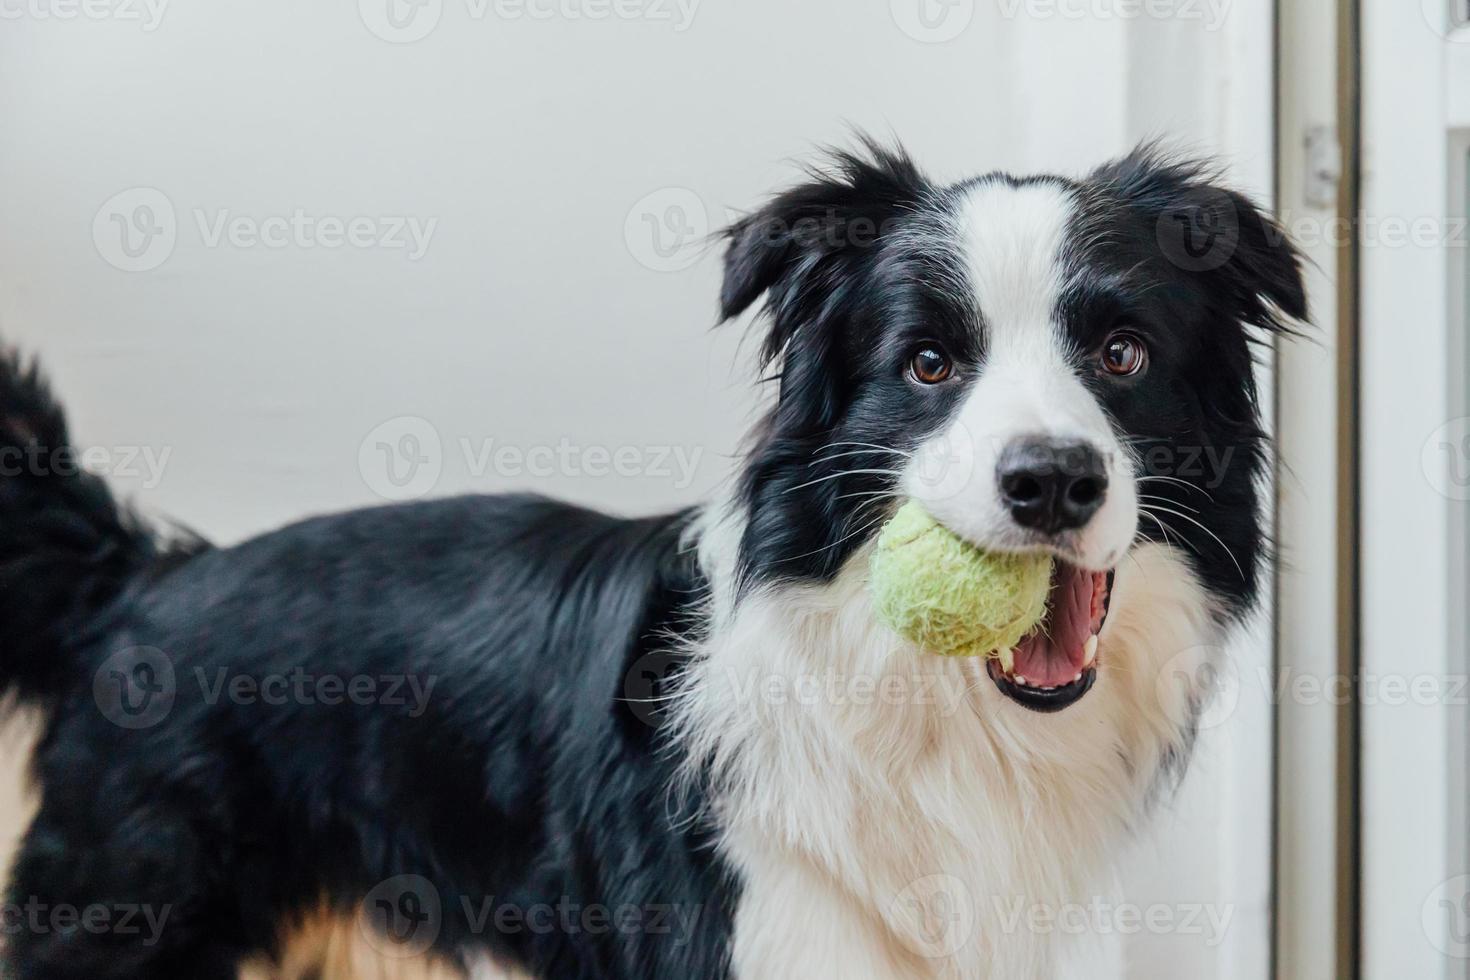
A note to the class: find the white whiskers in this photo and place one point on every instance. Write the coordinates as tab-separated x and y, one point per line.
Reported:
1151	510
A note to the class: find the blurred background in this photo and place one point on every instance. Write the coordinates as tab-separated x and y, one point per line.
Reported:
284	258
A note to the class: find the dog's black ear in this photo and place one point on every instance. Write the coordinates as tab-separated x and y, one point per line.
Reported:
1204	227
795	250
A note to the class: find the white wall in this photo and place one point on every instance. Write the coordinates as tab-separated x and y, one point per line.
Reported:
540	149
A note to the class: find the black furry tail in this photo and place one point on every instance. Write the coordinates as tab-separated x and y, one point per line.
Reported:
66	547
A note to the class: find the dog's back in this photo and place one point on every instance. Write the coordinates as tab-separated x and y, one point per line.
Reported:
429	705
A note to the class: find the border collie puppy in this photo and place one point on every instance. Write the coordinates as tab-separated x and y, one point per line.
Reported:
681	746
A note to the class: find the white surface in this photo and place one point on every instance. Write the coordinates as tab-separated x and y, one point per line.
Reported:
1457	77
533	316
1406	836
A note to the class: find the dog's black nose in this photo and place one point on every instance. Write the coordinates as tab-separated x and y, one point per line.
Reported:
1051	485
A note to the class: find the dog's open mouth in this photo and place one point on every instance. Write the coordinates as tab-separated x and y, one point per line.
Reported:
1056	663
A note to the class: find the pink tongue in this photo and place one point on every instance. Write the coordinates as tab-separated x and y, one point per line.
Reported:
1053	654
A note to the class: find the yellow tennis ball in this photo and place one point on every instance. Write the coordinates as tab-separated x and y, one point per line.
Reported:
950	597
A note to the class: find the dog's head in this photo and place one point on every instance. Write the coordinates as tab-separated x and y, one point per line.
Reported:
1045	363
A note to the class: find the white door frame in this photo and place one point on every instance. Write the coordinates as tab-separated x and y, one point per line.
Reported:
1314	420
1406	873
1415	70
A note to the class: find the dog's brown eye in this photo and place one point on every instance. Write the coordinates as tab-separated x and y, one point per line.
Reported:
1124	354
930	365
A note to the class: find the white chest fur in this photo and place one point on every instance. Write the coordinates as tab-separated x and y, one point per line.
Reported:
892	815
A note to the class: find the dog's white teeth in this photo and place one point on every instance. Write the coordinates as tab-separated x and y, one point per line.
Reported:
1077	678
1020	679
1089	651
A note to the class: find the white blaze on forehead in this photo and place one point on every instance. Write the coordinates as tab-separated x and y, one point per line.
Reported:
1010	243
1010	240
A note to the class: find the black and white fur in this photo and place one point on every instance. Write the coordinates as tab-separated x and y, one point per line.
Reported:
618	718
